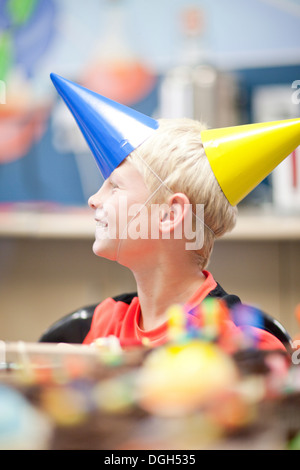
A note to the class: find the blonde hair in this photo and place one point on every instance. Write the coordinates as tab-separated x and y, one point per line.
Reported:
175	155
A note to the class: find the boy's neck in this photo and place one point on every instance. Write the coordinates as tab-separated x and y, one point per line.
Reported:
163	286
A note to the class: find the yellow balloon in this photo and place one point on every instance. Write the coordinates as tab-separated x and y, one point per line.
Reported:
178	379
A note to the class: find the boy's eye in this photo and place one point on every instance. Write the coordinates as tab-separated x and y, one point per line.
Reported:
113	185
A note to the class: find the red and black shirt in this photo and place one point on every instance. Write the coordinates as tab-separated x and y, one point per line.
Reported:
119	316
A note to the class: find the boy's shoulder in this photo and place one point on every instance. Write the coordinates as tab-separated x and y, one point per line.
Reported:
125	298
230	299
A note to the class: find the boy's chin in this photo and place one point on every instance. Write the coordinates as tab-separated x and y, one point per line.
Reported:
126	253
103	250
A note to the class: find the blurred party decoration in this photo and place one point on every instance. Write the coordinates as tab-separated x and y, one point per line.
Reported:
26	31
124	81
113	69
22	426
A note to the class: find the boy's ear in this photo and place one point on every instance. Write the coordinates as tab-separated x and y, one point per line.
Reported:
173	213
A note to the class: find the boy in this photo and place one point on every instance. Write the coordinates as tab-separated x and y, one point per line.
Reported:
167	182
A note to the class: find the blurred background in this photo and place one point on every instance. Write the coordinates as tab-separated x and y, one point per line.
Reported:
226	62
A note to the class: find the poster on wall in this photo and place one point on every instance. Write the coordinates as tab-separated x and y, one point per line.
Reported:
43	157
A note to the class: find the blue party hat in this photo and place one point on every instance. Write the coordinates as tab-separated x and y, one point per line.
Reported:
111	130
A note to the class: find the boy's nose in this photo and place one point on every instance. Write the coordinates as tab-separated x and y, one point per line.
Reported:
94	201
91	202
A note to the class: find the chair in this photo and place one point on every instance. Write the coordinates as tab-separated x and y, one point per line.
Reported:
74	327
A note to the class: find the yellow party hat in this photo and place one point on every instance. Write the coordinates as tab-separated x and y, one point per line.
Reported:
242	156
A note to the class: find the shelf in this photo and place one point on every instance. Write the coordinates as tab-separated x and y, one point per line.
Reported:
78	223
265	225
59	223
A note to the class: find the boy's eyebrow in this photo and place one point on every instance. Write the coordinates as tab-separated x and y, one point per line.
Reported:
116	177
